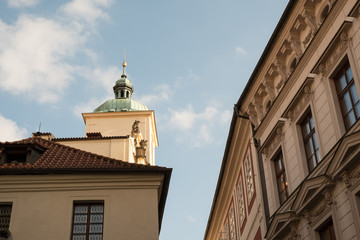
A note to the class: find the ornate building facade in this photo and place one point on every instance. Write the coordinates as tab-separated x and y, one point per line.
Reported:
302	102
101	186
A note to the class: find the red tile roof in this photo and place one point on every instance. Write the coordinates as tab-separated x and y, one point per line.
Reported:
58	156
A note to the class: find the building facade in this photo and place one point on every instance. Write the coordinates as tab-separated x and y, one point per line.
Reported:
303	103
101	186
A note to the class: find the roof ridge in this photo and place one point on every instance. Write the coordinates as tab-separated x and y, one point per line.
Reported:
91	158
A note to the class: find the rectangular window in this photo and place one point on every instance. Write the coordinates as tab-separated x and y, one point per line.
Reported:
88	221
310	142
224	234
5	215
241	202
281	180
327	232
348	97
249	178
232	222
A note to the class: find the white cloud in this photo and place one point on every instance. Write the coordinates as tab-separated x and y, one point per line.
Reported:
35	51
197	128
22	3
191	219
162	92
89	106
240	50
104	77
10	131
32	53
87	10
183	119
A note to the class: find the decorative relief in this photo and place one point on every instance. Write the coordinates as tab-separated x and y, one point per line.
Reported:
294	235
310	20
295	45
325	205
273	141
300	101
291	45
349	180
308	38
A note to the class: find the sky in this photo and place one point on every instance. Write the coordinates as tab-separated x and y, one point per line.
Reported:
188	60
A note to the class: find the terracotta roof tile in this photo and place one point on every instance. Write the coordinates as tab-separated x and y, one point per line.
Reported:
58	156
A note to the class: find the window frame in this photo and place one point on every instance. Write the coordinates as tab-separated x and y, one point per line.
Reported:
240	182
250	202
88	204
278	174
342	71
323	225
305	118
7	226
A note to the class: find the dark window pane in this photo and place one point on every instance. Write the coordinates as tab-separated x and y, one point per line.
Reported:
341	84
312	163
312	123
357	109
349	74
347	102
349	119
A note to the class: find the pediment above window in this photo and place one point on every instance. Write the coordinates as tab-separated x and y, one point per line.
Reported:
300	100
346	157
311	192
280	225
272	142
334	51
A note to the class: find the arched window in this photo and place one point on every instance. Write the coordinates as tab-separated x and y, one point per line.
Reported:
127	94
122	93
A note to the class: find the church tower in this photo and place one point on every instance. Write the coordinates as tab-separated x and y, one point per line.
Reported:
121	127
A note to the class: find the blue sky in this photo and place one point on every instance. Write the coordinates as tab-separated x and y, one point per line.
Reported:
188	60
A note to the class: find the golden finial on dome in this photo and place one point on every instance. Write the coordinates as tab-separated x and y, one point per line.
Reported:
124	63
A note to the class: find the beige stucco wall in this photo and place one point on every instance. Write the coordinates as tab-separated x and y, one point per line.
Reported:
122	149
120	124
241	142
43	205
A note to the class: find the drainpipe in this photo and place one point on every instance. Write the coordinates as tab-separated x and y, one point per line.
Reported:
261	169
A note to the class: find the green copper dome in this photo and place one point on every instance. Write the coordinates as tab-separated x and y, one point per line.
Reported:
121	105
123	90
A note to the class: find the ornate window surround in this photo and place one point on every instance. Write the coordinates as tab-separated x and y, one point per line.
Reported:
337	53
270	148
232	208
248	153
240	181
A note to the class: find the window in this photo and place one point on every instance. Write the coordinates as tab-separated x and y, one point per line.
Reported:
250	190
281	178
224	234
5	214
232	222
310	142
88	221
327	232
241	202
348	97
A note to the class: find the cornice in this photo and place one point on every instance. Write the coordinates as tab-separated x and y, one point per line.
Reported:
303	63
